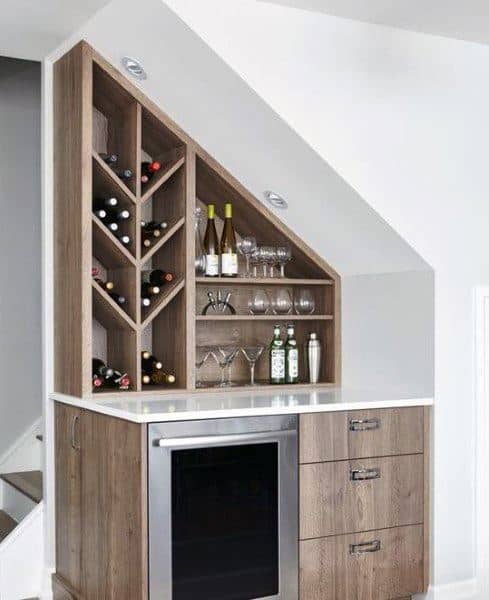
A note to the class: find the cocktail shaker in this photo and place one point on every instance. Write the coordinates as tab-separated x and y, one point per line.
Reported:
313	351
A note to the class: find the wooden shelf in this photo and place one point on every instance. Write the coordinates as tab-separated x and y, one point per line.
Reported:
163	240
260	281
169	292
290	318
160	179
107	248
108	312
109	173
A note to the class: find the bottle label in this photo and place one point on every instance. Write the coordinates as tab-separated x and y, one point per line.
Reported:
277	361
293	363
229	264
212	265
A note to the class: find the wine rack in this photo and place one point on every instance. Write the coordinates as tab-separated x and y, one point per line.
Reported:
98	112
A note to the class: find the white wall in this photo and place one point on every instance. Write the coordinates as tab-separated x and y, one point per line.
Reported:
20	242
403	118
388	332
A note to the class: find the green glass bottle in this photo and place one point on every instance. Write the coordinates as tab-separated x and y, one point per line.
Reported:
291	356
277	357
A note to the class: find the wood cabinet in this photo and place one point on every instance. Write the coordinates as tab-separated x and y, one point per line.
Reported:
364	504
101	505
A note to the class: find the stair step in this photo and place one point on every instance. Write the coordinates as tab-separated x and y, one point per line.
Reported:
7	524
28	483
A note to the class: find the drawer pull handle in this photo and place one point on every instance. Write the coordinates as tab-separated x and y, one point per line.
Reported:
374	546
364	424
364	474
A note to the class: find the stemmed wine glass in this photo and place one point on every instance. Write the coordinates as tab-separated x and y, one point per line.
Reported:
247	246
252	354
224	356
283	255
202	353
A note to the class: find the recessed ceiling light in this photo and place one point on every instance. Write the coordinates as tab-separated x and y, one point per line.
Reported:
134	68
276	200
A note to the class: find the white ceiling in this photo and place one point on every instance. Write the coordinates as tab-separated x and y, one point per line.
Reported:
30	29
460	19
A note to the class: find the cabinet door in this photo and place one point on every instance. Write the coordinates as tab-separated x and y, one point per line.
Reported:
68	494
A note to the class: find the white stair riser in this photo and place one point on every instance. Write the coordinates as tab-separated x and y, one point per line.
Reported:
15	503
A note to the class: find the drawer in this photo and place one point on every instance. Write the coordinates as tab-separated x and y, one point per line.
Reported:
360	434
379	565
349	496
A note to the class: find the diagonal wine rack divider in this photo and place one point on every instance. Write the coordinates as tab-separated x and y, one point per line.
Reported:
98	111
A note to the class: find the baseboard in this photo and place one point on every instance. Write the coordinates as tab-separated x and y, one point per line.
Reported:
459	590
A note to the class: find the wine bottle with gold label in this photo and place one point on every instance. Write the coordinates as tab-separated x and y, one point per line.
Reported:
229	251
211	244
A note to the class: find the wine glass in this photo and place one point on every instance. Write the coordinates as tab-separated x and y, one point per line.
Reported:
284	255
247	246
224	356
258	302
252	354
282	302
202	353
304	303
200	257
268	258
255	261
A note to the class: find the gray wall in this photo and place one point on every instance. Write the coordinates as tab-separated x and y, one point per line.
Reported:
388	332
20	248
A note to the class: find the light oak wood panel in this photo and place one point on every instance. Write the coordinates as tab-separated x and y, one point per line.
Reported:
427	494
333	503
68	494
114	508
385	432
329	571
62	590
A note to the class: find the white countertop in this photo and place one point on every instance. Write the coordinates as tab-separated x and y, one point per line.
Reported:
150	409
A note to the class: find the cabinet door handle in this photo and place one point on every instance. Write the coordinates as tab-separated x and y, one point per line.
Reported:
364	474
364	424
365	548
74	422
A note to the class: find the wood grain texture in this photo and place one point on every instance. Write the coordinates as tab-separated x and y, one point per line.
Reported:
72	206
328	571
332	504
114	497
68	496
327	436
62	590
427	496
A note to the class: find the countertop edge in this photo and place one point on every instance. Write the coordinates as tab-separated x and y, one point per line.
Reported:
191	415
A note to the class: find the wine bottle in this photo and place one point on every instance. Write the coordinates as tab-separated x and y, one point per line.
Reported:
101	369
110	159
154	225
145	301
112	226
211	244
119	380
117	215
106	285
95	272
277	357
125	240
161	378
228	248
124	174
118	298
148	169
101	213
97	381
148	289
101	203
150	363
151	233
148	242
160	277
291	356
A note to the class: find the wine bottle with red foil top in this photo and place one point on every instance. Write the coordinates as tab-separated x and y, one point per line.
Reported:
148	170
159	277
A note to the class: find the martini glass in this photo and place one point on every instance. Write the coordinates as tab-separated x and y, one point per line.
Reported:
224	356
202	353
252	354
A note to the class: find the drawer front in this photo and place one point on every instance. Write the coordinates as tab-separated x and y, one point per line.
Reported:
379	565
360	434
349	496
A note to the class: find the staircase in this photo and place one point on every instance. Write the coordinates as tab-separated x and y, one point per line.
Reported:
21	524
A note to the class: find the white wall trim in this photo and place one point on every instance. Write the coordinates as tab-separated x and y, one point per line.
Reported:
26	439
482	438
460	590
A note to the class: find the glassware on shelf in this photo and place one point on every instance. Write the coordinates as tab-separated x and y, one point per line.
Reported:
202	353
200	258
268	259
258	302
224	356
283	255
247	246
282	302
254	262
304	303
252	354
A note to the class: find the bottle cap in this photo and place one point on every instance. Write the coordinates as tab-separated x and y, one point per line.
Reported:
313	336
228	210
211	211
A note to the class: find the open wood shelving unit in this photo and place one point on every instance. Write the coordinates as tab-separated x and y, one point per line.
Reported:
97	110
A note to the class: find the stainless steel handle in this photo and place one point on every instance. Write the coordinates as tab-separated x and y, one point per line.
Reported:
74	421
364	474
218	439
365	548
364	424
